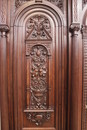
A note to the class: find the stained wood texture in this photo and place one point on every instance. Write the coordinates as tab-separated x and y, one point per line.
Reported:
39	71
3	78
84	106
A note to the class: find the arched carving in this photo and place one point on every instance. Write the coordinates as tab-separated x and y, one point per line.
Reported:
38	28
48	49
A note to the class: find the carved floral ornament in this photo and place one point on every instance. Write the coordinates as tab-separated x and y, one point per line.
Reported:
58	3
38	29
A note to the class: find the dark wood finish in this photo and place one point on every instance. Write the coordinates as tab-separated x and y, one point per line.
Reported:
55	40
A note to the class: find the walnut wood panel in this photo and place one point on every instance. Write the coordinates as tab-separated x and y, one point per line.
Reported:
39	70
84	106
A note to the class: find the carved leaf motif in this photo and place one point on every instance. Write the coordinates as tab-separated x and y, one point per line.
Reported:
38	27
38	118
39	64
58	3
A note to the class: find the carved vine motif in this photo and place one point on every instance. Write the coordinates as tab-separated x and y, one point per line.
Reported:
39	87
38	118
58	3
38	27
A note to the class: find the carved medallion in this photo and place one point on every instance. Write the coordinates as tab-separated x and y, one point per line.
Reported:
38	28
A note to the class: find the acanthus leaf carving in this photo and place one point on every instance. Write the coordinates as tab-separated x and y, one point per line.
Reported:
38	72
38	118
38	28
58	3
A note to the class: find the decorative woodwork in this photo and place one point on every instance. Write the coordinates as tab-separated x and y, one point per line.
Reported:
84	105
3	77
40	64
58	3
74	95
38	28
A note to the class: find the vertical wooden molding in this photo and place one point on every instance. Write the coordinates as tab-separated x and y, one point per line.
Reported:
3	11
3	78
84	105
74	29
74	10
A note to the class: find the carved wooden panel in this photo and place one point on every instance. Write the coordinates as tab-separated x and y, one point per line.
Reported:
38	28
58	3
84	108
39	108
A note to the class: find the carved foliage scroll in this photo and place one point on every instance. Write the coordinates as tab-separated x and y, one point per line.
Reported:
58	3
39	86
38	28
38	52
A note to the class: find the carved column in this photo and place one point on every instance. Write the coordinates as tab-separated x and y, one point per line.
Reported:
3	78
74	29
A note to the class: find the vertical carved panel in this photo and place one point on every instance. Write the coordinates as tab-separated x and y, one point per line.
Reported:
38	50
84	108
3	12
39	71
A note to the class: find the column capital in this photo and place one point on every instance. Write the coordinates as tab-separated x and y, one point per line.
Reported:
4	29
74	28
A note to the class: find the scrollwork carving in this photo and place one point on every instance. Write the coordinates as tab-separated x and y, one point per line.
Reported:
38	28
58	3
39	87
38	118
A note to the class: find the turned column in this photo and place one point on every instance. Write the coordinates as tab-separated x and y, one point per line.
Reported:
3	78
74	29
